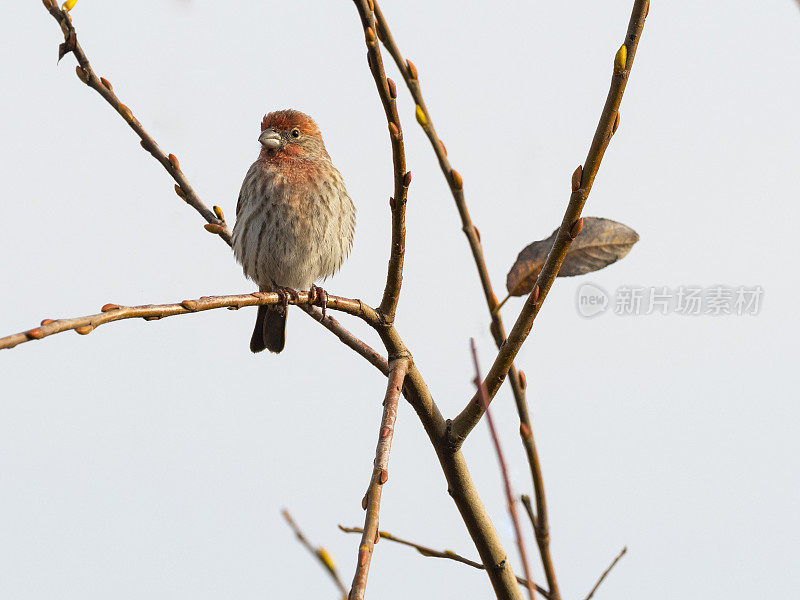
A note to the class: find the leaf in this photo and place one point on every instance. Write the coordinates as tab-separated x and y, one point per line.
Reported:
600	243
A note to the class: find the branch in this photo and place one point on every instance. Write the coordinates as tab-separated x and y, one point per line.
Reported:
541	527
455	182
431	553
606	572
380	475
320	553
512	505
151	312
582	181
216	220
402	179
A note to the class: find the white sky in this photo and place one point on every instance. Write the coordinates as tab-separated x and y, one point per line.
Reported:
152	459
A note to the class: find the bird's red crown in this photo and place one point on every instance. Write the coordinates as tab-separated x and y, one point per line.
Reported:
289	119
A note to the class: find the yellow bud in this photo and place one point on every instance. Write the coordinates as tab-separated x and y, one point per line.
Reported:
421	118
69	5
326	558
620	59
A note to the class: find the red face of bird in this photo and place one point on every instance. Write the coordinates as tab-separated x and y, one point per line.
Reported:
290	133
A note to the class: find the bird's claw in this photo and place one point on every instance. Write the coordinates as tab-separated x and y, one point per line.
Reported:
285	293
320	296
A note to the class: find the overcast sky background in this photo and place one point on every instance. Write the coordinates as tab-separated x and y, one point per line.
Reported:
152	459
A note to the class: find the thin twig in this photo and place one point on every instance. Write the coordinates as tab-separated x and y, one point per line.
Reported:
380	475
582	181
432	553
606	572
512	505
215	218
320	553
516	378
151	312
402	179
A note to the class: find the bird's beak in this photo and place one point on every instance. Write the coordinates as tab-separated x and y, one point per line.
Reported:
270	139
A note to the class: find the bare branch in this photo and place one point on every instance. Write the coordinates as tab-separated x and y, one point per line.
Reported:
380	475
582	181
319	553
541	527
454	181
606	572
402	179
215	219
432	553
512	505
151	312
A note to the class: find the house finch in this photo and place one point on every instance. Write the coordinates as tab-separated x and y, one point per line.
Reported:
294	219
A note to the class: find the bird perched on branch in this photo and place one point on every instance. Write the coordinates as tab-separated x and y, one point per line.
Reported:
294	219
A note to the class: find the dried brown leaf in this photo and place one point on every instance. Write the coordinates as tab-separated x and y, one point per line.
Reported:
600	243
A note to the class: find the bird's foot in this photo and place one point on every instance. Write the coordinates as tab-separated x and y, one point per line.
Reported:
285	293
319	296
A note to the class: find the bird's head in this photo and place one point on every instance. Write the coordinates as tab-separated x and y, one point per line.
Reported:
290	133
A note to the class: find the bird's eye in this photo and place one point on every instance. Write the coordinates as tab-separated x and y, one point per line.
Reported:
295	133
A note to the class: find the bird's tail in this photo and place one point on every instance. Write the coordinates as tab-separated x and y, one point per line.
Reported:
270	330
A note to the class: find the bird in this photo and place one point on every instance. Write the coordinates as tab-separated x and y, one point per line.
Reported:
294	219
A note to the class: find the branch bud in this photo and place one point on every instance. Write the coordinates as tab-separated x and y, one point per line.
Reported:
179	191
214	228
369	33
107	84
407	179
616	124
523	381
82	75
47	321
326	558
577	175
84	329
174	162
69	5
35	334
394	131
458	183
444	148
576	228
392	88
412	70
219	213
189	305
620	59
421	118
125	112
383	477
108	307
